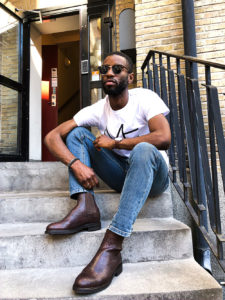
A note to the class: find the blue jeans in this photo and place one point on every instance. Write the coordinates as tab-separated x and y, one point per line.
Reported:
144	173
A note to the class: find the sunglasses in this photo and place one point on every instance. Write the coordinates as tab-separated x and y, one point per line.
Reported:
117	69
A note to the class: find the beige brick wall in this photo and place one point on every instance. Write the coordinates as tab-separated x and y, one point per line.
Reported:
159	27
210	36
8	97
9	120
210	29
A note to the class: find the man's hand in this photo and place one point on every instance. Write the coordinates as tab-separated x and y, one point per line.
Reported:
84	175
104	141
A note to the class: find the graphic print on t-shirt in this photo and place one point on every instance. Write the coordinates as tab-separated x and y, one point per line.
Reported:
106	132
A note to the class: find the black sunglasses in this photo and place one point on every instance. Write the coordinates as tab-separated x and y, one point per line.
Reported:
117	69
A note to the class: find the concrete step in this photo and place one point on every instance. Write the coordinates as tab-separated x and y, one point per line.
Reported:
34	176
53	206
26	245
168	280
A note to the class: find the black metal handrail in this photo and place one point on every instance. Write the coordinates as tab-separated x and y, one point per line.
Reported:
199	162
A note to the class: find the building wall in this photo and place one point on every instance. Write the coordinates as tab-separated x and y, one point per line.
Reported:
210	38
210	29
159	27
8	97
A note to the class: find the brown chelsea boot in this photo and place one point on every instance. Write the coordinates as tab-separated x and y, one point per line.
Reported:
84	216
106	264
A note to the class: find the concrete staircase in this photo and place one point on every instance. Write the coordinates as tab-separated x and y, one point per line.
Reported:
158	258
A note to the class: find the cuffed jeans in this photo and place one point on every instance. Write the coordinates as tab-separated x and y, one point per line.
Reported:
144	173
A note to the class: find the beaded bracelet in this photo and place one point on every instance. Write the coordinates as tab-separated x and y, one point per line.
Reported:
72	161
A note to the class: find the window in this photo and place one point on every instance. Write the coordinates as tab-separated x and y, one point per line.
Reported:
127	29
12	89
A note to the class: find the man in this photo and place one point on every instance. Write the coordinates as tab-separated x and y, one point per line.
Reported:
126	156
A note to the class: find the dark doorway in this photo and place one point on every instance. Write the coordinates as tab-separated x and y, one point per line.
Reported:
69	83
60	76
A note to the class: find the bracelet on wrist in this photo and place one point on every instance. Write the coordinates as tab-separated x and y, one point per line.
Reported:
72	161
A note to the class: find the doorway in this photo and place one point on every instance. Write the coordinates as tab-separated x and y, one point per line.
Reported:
60	40
60	81
65	32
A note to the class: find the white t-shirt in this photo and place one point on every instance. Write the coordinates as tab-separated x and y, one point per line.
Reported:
128	122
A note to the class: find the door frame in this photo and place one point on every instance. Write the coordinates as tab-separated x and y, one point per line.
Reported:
54	12
102	9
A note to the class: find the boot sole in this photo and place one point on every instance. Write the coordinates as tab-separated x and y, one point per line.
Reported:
88	227
99	288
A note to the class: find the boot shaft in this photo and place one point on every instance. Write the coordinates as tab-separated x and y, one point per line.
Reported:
86	202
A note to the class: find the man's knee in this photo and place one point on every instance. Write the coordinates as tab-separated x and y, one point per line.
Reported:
75	133
143	152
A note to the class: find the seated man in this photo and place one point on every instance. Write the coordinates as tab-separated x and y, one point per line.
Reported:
126	156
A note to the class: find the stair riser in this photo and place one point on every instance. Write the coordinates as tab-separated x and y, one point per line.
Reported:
68	251
51	209
34	176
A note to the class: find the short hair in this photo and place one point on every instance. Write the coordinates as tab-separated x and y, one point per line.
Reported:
128	59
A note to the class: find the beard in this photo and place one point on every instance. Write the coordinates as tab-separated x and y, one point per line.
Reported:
117	89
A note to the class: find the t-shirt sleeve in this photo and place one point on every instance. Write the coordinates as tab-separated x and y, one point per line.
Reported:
90	115
153	105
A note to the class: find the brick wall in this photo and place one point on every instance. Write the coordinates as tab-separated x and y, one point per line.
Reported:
158	26
9	97
210	35
210	29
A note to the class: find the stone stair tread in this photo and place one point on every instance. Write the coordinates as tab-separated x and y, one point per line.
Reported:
177	280
141	225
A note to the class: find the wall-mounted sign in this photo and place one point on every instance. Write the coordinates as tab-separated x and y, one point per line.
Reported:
84	67
53	102
54	82
54	72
